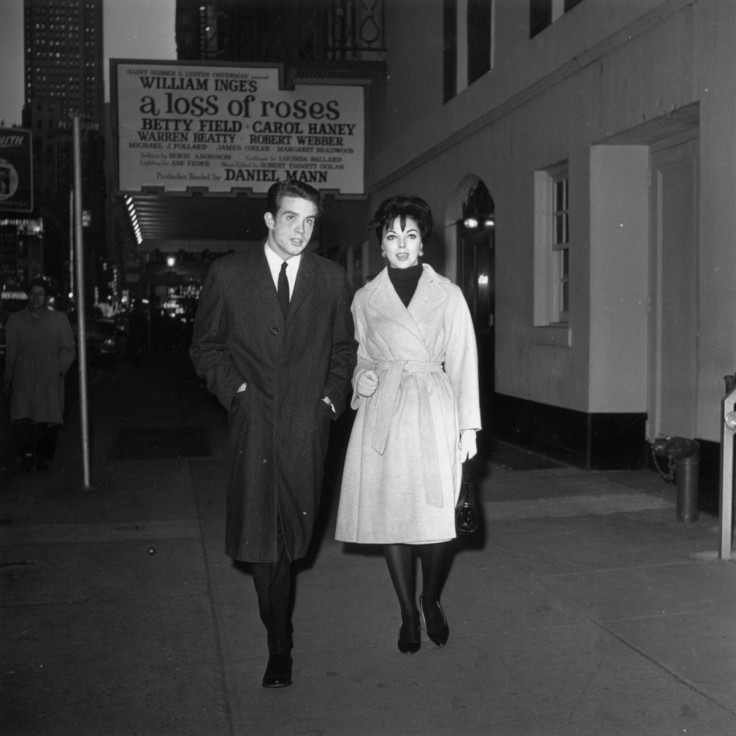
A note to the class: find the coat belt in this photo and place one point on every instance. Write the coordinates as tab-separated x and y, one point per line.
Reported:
390	385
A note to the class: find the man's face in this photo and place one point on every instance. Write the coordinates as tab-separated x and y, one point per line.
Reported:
290	230
37	298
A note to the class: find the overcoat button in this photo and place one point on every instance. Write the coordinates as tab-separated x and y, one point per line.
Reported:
274	330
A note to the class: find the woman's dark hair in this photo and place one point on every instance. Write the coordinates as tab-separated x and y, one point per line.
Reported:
403	206
291	188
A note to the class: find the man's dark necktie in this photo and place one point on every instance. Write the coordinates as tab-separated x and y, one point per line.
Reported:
283	290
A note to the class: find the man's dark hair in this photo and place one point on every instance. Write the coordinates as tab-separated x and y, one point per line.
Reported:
291	188
40	281
403	206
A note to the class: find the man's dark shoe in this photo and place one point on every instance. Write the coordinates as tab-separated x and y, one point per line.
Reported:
278	671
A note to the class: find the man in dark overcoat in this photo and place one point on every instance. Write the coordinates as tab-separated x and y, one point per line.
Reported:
40	351
273	337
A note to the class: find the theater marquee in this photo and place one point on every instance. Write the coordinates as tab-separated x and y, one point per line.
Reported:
227	128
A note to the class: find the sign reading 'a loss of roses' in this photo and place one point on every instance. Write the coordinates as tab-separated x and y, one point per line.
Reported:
226	128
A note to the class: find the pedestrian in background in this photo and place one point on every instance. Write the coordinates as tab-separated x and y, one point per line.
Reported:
273	337
416	392
39	352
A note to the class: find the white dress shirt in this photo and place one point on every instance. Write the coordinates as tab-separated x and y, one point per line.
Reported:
274	263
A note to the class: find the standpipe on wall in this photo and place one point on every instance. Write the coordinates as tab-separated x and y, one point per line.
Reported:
684	464
728	428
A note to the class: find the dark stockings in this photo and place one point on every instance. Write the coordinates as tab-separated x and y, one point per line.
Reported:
434	566
273	583
400	561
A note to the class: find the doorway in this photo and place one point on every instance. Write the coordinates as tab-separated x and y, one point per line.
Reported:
673	339
476	278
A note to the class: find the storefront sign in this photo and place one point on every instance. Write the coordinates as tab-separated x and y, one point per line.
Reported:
226	128
16	177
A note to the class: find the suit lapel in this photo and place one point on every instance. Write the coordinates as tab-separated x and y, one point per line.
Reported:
304	284
259	275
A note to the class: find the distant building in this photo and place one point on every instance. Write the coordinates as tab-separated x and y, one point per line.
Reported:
63	57
64	78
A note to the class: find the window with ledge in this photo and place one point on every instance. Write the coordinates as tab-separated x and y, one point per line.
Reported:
542	13
552	255
468	43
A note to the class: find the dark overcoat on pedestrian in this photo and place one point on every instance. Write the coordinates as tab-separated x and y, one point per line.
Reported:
40	351
278	427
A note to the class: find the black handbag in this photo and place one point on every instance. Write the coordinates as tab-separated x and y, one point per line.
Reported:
466	511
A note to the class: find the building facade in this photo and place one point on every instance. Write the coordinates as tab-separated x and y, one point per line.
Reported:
578	156
602	143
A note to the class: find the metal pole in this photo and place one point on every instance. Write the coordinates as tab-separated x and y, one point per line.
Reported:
728	427
81	317
71	245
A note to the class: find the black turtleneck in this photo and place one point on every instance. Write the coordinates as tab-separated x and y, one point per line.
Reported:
405	281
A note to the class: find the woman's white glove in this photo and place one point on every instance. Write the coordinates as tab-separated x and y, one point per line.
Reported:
367	383
468	448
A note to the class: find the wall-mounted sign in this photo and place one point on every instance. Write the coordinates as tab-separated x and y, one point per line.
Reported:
225	128
16	170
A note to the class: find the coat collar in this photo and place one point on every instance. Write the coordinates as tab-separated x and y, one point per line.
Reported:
430	295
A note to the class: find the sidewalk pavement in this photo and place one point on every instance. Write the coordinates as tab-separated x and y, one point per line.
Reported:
584	607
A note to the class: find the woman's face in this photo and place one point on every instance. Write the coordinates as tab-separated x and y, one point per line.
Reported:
402	246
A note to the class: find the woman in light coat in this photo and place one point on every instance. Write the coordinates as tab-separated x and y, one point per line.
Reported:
416	395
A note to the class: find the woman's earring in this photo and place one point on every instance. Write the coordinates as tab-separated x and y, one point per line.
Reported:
421	252
383	254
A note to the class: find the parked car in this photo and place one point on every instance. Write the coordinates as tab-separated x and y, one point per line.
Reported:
105	340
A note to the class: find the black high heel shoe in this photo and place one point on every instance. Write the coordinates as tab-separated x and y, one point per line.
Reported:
410	636
441	635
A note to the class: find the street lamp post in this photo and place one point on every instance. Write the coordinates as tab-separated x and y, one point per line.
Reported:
82	332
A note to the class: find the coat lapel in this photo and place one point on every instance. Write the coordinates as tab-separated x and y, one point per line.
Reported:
386	301
261	275
304	283
430	295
